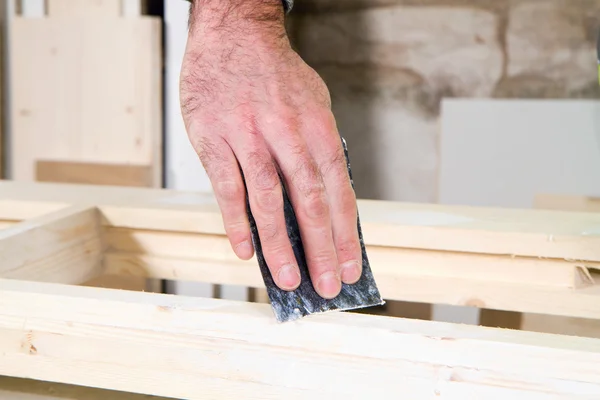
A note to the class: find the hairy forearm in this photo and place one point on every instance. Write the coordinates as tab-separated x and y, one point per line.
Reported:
234	18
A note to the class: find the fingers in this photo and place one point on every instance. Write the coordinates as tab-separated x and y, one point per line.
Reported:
326	148
223	170
311	206
265	196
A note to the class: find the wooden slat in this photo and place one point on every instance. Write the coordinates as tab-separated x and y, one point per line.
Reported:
534	233
569	324
94	173
386	261
65	246
193	348
519	260
29	389
567	203
98	99
484	230
525	296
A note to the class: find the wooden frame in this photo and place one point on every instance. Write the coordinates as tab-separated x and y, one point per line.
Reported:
55	328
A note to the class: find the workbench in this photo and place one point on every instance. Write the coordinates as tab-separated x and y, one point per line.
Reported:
57	329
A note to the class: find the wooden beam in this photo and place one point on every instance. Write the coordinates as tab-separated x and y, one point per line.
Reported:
196	348
518	260
64	246
387	261
566	324
29	389
567	203
94	173
484	230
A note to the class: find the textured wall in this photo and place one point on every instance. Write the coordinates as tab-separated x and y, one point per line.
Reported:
388	63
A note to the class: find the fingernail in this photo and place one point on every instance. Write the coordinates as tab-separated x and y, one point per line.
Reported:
288	277
244	250
329	285
351	272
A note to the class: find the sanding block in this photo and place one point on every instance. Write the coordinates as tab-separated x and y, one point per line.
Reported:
291	305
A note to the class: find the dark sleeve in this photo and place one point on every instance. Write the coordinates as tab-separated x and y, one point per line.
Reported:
287	5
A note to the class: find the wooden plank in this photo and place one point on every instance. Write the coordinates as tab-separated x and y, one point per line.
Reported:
29	389
524	296
567	202
486	230
569	324
386	261
179	235
65	246
94	173
103	78
173	345
79	8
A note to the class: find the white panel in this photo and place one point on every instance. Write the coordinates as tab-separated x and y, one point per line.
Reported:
131	8
184	170
33	8
504	152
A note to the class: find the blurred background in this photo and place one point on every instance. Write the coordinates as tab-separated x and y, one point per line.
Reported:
473	102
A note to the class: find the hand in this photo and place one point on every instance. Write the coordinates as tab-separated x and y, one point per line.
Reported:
250	102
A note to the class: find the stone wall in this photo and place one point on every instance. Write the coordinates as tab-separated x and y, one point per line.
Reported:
388	64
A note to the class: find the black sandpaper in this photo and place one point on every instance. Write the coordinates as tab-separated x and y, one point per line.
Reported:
291	305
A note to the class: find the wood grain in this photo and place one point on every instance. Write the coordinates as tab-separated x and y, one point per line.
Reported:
94	173
507	259
173	345
99	98
64	246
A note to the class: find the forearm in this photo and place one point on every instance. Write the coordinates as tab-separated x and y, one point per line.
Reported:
254	21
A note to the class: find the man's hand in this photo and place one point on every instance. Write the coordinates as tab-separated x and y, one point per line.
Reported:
250	102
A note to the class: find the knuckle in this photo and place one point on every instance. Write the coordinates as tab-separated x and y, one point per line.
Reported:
268	201
324	120
347	204
287	120
307	178
237	228
263	174
230	191
322	259
315	204
268	232
349	246
335	163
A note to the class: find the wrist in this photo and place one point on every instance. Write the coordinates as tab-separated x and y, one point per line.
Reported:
254	20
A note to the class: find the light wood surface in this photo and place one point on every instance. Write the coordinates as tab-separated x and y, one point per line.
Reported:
99	98
30	389
195	348
567	325
518	260
567	202
170	345
64	246
94	173
79	8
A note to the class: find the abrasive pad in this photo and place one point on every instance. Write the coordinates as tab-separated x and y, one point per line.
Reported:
291	305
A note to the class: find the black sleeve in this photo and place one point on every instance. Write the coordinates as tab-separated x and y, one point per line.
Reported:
287	4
